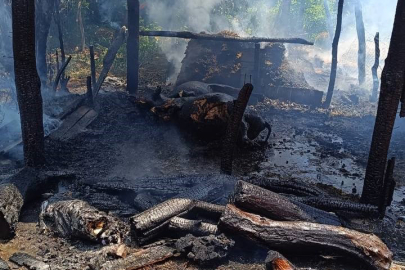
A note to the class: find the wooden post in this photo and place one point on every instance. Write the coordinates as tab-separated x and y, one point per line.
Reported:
133	46
93	67
256	77
89	93
28	83
361	34
392	84
335	46
374	69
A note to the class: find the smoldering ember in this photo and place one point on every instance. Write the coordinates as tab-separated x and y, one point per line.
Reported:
202	134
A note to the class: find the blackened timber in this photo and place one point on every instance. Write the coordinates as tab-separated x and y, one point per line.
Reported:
392	84
195	227
133	46
277	207
89	93
233	128
203	36
388	189
311	237
93	67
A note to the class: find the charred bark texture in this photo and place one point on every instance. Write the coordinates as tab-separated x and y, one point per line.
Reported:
27	81
202	36
233	128
269	204
389	187
276	261
335	46
361	34
43	18
195	227
133	46
392	84
89	93
369	249
109	58
374	69
77	219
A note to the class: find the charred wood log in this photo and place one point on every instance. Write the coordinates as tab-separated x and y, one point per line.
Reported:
141	259
23	259
195	227
368	248
290	186
233	128
203	36
335	46
392	84
374	69
78	219
278	207
276	261
109	58
336	205
20	188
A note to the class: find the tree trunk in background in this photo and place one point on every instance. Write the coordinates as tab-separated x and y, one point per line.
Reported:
301	17
27	81
392	83
328	19
44	11
374	69
335	46
283	21
81	27
361	34
133	46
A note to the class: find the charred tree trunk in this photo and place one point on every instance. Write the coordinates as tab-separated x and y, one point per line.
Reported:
232	131
296	235
374	69
361	34
81	27
335	46
277	207
27	82
392	84
43	17
133	46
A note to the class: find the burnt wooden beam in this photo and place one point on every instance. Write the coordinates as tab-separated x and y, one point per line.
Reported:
272	205
77	219
133	46
374	69
216	37
89	93
93	66
392	85
232	131
335	46
298	235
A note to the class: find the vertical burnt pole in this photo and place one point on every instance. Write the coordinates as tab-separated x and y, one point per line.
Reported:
232	131
392	84
374	69
133	46
93	66
361	34
27	82
256	77
335	46
89	94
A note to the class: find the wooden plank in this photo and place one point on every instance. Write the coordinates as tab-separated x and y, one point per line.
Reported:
81	125
70	121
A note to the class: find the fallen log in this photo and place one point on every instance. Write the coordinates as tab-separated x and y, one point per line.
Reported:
141	259
204	36
277	207
280	235
23	259
78	219
276	261
149	224
109	58
24	186
195	227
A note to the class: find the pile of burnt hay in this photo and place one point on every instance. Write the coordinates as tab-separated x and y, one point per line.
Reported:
228	62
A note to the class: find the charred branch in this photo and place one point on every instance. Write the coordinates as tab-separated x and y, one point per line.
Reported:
369	249
374	69
60	75
195	227
203	36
